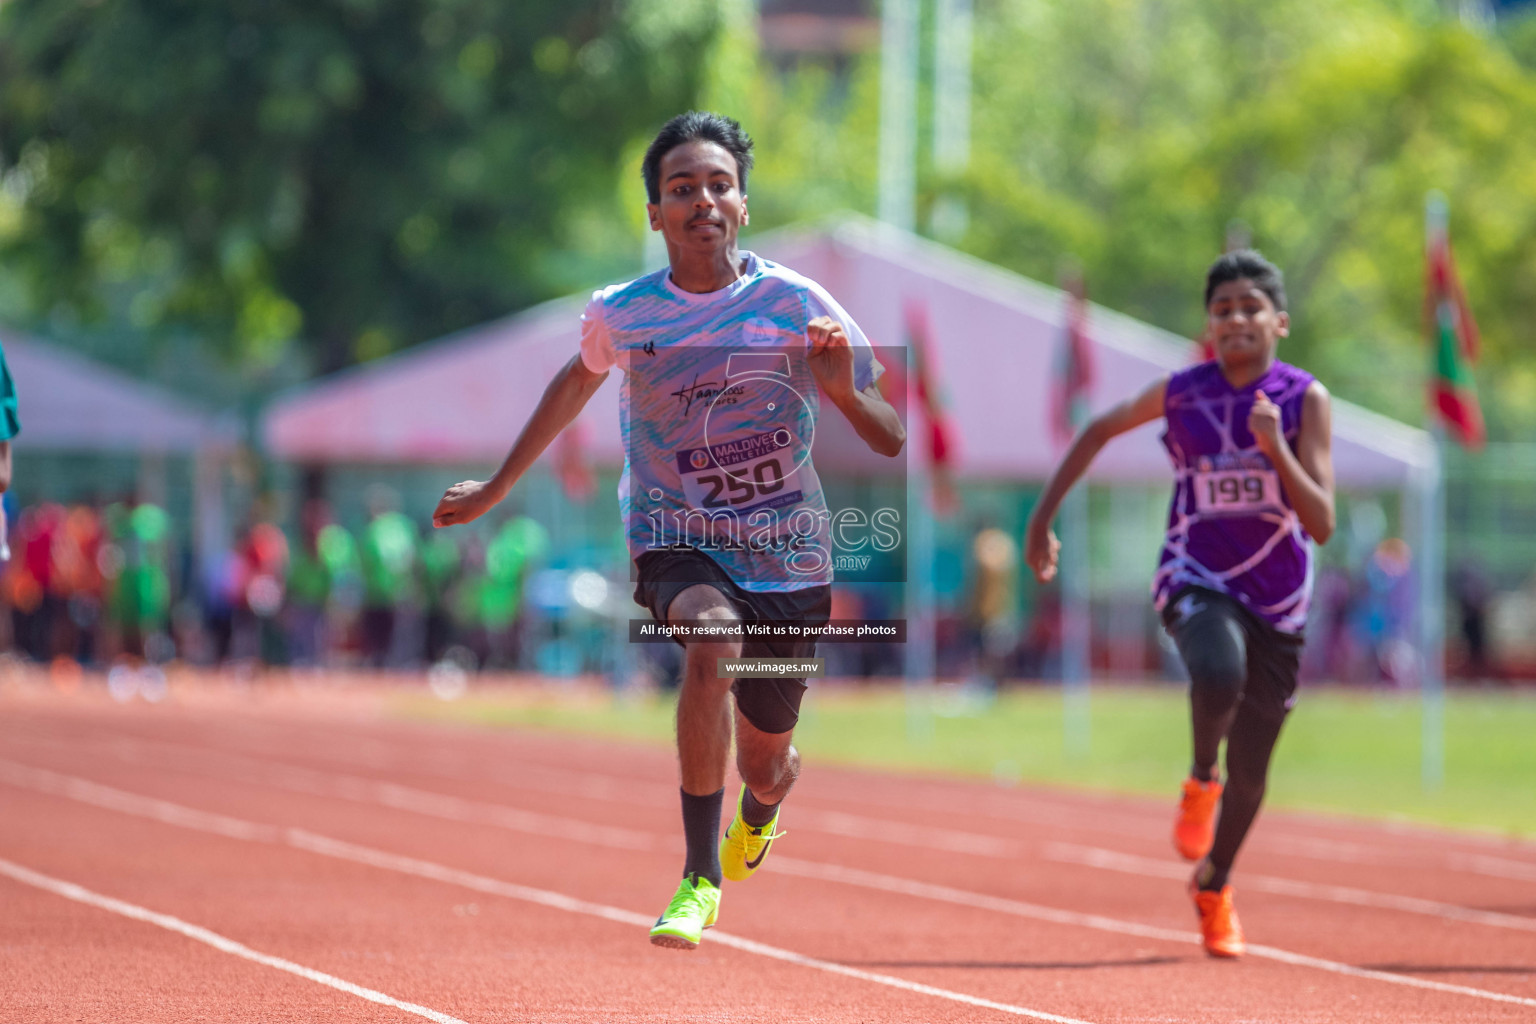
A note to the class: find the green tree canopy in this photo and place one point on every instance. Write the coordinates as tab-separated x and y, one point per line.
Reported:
355	174
1137	142
1131	137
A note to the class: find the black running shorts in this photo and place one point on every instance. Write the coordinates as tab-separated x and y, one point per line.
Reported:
1196	615
771	705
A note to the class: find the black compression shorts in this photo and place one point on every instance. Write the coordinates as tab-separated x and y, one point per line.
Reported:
771	705
1196	616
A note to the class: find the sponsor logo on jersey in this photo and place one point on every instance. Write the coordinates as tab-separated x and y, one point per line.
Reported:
705	393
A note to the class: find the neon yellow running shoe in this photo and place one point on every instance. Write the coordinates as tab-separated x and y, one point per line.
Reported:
744	846
694	907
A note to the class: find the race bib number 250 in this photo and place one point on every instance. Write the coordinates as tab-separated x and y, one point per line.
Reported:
744	475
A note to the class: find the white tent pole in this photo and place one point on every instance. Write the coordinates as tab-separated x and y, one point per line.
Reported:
1127	637
208	515
1432	616
952	42
1431	560
897	198
896	205
921	649
1073	521
151	487
1075	611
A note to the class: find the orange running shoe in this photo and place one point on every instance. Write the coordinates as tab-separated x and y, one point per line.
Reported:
1195	828
1220	932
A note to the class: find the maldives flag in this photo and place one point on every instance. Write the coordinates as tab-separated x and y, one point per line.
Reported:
940	442
1453	342
1074	368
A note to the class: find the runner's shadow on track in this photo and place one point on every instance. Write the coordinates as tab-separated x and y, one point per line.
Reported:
1449	968
1526	910
1043	965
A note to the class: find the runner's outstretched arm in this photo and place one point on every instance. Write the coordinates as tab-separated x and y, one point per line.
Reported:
563	400
831	361
1040	544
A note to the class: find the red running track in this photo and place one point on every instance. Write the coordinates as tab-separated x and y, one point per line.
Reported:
273	857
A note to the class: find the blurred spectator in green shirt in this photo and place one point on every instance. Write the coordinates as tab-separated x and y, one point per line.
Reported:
389	557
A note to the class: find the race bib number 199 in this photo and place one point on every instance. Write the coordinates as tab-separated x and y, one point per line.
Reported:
1236	491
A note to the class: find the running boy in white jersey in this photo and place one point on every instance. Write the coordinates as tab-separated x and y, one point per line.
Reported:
727	358
1250	442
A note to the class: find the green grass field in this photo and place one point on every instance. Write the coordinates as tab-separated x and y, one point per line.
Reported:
1353	752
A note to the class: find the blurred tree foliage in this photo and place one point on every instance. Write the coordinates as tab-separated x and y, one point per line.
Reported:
327	179
344	177
1132	136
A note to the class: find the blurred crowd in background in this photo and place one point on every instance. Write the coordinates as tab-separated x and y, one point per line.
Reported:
93	586
242	268
1362	629
104	584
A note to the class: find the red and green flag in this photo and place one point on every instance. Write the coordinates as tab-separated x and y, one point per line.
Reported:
1074	367
1453	342
939	446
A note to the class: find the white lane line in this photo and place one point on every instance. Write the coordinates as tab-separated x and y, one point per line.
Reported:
132	803
981	901
360	789
80	894
1499	867
1108	816
304	840
87	792
599	786
1019	908
299	839
1001	805
1111	860
370	791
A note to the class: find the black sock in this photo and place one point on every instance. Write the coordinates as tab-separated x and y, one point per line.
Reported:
701	830
1200	774
756	813
1210	878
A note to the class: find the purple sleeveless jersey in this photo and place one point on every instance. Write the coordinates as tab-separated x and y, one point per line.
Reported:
1230	526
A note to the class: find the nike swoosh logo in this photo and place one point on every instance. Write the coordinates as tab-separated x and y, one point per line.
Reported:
1188	607
752	864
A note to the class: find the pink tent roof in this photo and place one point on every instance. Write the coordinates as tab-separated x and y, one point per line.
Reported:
994	337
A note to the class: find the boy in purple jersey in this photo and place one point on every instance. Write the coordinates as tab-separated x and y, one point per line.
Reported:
695	175
1250	442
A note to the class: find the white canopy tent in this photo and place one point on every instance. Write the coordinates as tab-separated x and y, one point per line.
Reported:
993	338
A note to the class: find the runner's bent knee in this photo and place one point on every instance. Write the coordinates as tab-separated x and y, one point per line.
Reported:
704	604
701	602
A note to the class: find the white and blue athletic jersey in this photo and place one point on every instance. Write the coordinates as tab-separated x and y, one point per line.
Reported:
719	412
